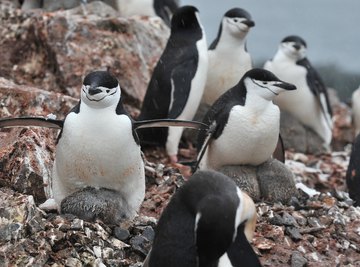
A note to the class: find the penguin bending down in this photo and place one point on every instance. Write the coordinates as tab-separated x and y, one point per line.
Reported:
98	147
209	221
310	103
244	123
228	57
178	80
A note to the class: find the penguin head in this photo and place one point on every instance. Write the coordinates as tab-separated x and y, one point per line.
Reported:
237	22
264	84
100	89
185	18
294	47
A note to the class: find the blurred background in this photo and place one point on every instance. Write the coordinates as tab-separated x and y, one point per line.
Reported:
330	28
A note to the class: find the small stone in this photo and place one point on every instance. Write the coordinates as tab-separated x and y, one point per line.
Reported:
294	233
289	220
297	260
121	234
140	244
148	233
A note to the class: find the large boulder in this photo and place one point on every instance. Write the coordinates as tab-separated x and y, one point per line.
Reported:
55	50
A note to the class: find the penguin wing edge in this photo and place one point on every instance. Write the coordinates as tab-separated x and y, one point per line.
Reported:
31	122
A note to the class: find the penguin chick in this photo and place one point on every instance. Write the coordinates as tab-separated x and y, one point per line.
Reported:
228	57
244	123
178	81
98	146
310	103
208	222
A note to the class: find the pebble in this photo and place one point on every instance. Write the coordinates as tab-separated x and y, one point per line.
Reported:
297	260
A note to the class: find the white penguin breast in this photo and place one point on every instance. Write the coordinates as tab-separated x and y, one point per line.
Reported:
226	67
249	137
97	149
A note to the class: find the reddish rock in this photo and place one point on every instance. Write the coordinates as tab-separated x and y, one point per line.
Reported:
54	51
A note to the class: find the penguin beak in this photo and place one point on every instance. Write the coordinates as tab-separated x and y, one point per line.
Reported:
249	23
285	86
94	91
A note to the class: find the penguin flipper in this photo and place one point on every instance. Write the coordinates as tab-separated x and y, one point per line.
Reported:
181	78
317	86
31	122
279	152
170	123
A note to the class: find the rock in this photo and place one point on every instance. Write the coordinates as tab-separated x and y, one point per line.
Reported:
276	181
297	260
121	234
298	137
245	178
294	233
54	51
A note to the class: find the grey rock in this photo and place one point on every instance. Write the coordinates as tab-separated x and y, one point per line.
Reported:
149	233
276	181
299	137
140	244
294	233
121	234
245	178
297	259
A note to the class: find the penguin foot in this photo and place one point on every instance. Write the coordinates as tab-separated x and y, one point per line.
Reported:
90	204
173	159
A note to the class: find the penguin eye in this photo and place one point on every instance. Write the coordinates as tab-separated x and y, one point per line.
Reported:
265	83
108	91
235	20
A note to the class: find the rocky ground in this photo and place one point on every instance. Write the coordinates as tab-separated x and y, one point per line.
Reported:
43	57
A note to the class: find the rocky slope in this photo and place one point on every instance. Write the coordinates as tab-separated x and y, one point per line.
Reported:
43	57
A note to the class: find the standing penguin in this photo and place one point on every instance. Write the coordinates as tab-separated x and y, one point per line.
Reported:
355	103
162	8
244	123
228	57
178	80
310	103
208	222
353	172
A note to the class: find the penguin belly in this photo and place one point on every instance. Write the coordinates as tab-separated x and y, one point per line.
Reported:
248	138
301	103
222	77
98	150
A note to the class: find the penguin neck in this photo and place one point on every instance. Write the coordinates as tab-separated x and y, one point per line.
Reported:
228	42
281	56
257	103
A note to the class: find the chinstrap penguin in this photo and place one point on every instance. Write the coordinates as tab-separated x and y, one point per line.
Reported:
353	172
178	80
98	146
355	104
310	103
228	57
98	168
208	222
244	123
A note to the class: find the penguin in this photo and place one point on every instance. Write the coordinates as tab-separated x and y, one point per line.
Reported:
353	172
355	102
310	103
161	8
228	56
209	221
97	148
178	80
244	123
